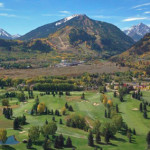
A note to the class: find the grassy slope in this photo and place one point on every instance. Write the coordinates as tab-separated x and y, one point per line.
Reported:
134	119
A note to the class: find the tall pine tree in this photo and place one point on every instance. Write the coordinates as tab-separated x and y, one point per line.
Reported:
90	139
69	142
98	137
148	139
29	144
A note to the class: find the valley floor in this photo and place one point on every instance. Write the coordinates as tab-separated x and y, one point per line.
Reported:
100	67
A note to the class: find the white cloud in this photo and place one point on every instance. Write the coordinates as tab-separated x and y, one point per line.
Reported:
1	5
139	9
147	12
6	9
7	15
138	6
65	12
134	19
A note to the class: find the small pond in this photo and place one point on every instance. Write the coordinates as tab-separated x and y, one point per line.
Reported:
10	141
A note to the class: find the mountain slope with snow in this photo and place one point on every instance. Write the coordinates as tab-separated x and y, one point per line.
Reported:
138	31
16	36
6	35
66	19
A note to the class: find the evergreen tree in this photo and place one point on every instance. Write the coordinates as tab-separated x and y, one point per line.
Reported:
16	124
133	94
148	139
4	111
109	113
32	96
130	139
52	112
29	144
90	139
68	142
7	113
56	142
61	140
145	109
53	118
105	113
141	107
24	120
98	137
70	108
66	105
67	93
56	112
121	98
145	114
115	94
107	136
37	100
117	108
60	121
46	144
83	96
134	132
11	112
129	135
46	110
46	122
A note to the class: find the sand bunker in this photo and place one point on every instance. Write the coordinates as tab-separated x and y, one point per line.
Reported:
96	104
135	109
22	132
25	111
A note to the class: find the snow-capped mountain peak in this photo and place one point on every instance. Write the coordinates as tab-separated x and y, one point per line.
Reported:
16	36
6	35
138	31
3	33
67	19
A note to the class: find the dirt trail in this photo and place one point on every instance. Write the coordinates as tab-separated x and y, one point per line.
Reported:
62	43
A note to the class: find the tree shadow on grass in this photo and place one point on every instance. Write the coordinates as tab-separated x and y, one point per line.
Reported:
123	132
101	143
133	140
73	147
7	147
39	143
112	144
33	148
97	147
119	139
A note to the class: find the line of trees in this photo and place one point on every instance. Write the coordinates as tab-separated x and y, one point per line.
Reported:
56	87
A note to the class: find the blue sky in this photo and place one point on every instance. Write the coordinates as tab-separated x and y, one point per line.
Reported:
22	16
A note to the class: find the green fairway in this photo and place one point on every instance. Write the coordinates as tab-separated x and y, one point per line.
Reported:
91	108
